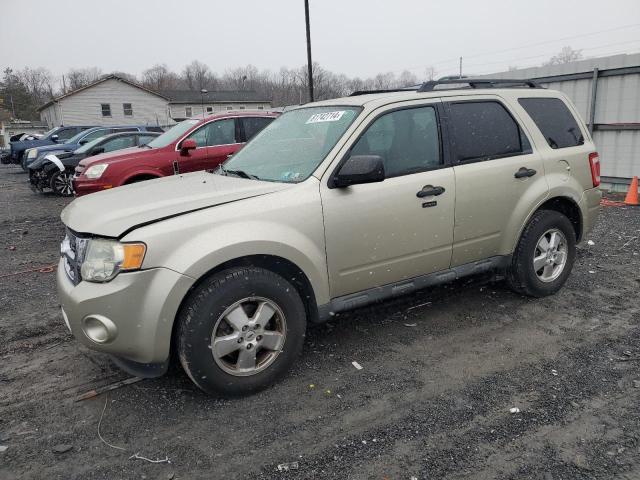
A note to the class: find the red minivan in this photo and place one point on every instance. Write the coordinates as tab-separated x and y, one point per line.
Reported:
191	145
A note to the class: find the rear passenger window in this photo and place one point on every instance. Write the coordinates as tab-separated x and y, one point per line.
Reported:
554	120
484	131
253	125
407	140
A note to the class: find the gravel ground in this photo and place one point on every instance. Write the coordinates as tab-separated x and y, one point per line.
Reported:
442	370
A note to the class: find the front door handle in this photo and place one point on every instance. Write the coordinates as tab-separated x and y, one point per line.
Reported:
429	191
525	172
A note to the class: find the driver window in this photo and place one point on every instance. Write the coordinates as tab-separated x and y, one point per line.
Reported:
407	140
200	136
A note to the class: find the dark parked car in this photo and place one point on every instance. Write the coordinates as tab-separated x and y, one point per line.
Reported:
80	139
53	136
55	171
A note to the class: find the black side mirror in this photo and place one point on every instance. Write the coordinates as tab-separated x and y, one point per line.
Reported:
97	151
54	138
83	142
360	169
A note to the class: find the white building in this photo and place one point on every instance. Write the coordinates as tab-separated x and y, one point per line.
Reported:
112	100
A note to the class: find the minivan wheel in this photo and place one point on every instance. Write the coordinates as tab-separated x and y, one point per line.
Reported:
240	331
62	183
544	256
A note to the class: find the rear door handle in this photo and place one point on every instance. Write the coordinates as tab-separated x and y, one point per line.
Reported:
429	191
525	172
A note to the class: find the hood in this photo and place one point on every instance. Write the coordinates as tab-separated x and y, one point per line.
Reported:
61	147
112	213
18	146
119	155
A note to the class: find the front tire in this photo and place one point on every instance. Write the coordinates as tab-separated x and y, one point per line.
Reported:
544	256
240	331
62	183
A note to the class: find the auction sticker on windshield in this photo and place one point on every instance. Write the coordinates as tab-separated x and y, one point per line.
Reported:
326	117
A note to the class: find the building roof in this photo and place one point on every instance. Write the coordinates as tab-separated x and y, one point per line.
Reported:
103	79
221	96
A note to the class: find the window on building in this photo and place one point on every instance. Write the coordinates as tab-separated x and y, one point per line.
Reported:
484	131
407	140
128	109
242	107
260	107
188	111
106	109
229	108
554	120
209	109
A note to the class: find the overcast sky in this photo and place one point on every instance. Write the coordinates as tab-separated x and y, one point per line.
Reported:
355	37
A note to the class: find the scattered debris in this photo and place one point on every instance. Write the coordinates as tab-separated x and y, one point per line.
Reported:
108	388
592	271
285	467
327	391
62	448
636	383
12	247
410	324
418	306
357	365
3	448
106	399
137	456
627	353
554	373
591	242
171	476
514	410
339	396
575	404
311	385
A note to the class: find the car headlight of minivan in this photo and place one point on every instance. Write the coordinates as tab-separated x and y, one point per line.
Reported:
32	153
104	259
96	171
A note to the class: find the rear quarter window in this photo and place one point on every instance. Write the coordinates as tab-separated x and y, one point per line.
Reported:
554	120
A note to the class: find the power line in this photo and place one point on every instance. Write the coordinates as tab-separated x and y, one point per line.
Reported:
451	60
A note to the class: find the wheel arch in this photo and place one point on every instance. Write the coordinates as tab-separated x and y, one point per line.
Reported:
569	208
140	176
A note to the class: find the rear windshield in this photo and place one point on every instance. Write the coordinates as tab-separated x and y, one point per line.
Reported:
554	120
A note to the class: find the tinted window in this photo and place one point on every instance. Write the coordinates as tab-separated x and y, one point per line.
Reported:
407	141
554	120
119	143
127	109
253	125
221	132
484	130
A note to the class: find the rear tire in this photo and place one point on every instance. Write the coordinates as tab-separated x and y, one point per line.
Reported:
544	256
240	331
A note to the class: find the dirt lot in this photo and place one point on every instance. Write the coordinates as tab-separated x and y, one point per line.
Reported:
442	369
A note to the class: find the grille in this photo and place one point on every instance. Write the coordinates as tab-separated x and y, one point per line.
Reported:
72	251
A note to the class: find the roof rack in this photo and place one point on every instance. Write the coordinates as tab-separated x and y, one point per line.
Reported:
472	82
480	83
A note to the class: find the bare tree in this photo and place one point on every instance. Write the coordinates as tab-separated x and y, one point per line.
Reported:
159	77
430	73
566	55
81	77
407	79
197	76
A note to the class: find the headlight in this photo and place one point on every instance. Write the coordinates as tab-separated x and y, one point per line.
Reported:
104	259
33	153
96	171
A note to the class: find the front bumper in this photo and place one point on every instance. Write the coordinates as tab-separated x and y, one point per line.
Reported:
84	186
590	208
138	309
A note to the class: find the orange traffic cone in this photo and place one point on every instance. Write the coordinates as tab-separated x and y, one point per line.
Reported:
632	194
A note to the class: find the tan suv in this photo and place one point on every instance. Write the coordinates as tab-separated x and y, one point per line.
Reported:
334	205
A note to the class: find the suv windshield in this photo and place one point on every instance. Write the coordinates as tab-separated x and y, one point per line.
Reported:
293	145
172	134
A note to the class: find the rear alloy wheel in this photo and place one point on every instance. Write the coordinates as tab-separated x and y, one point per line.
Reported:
62	183
240	331
544	256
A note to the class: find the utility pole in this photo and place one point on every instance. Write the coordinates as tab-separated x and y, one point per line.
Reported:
460	68
203	92
309	64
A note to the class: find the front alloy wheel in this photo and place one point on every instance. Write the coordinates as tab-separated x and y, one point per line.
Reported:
248	336
550	256
62	183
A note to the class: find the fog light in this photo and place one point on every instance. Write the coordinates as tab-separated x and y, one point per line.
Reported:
99	329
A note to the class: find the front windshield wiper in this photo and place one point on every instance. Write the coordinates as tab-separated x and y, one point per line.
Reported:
238	173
